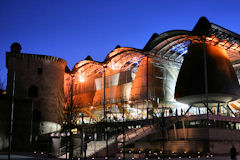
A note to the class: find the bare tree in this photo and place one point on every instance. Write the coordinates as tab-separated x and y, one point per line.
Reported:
70	114
1	84
1	81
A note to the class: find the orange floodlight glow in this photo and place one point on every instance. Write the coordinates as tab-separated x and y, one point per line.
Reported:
223	44
81	79
209	38
114	66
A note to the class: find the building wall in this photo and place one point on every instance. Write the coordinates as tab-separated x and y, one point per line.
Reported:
22	124
152	78
4	121
193	140
45	73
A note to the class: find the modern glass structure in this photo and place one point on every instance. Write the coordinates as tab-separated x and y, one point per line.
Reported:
176	96
179	95
130	81
140	83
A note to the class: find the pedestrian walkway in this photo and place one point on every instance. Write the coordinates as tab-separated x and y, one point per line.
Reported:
21	157
13	157
24	157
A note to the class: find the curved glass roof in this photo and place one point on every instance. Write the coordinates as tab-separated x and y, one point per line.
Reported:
171	45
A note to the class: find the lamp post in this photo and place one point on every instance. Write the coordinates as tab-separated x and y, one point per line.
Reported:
69	141
82	137
95	139
104	92
123	127
147	89
12	111
104	106
206	87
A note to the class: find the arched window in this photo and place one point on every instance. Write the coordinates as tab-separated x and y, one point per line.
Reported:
33	91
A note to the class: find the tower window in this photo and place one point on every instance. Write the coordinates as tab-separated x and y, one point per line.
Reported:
33	91
40	70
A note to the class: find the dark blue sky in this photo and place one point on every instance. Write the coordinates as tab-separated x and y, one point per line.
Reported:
73	29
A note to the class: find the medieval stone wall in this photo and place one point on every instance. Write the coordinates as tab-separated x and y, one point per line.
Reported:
40	78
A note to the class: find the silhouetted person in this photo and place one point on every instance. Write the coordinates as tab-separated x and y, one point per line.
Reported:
233	152
170	112
162	114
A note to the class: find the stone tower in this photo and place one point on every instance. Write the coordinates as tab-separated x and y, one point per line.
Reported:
39	78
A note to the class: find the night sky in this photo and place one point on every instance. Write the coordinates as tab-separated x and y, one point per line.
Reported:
74	29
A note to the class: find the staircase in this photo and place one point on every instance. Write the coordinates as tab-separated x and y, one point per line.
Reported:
132	135
96	146
135	134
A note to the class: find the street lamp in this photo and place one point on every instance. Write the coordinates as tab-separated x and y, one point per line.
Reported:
82	136
11	125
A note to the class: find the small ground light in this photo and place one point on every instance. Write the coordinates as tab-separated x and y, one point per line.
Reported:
189	157
139	151
198	157
106	157
150	152
158	157
132	157
92	157
207	156
169	157
41	152
185	152
129	151
119	158
155	153
211	155
160	151
146	158
198	152
179	157
34	152
172	152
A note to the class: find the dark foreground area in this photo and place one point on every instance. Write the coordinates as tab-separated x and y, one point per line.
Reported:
34	157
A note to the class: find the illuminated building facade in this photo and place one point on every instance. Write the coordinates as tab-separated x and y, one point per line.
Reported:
129	81
135	90
35	82
141	83
133	85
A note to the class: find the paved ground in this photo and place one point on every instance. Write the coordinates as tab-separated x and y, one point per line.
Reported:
22	157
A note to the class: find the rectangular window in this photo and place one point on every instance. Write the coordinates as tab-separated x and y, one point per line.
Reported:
40	70
99	83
